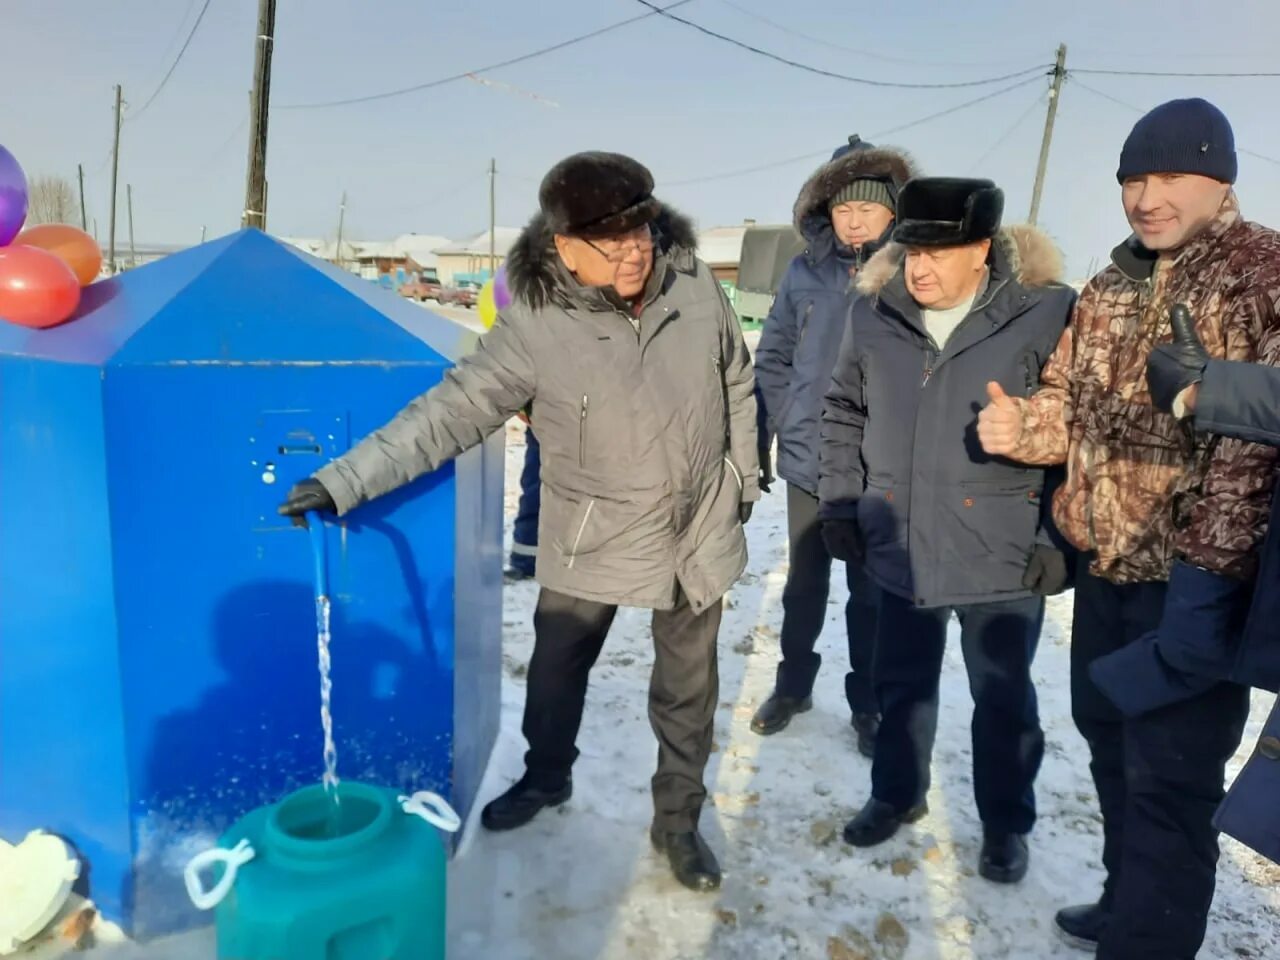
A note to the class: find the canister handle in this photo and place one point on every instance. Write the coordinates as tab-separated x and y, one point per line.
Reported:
232	860
432	808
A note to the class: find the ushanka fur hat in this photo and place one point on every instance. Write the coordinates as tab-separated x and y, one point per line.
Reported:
597	194
947	212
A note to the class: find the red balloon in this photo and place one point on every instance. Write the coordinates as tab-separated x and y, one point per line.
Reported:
37	289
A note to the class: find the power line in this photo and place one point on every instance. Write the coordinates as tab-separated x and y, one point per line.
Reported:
866	81
1139	110
177	60
869	54
1004	137
468	74
937	115
1171	73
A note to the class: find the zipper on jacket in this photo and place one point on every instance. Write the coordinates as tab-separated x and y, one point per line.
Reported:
930	359
573	552
582	436
804	325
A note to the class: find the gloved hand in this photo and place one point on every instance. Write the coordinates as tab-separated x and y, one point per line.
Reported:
305	497
744	511
1046	571
765	477
1172	367
843	539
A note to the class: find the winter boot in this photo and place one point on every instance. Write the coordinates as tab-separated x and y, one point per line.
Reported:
1004	857
523	801
691	860
878	821
776	712
1081	926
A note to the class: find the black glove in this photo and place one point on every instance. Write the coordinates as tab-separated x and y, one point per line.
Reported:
744	511
1172	367
765	477
843	539
307	496
1046	571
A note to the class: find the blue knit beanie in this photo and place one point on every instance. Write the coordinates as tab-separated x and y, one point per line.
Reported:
1181	136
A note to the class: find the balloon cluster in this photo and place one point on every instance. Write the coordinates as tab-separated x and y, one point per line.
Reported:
43	268
495	295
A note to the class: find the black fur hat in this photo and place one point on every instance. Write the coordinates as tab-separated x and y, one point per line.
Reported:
947	212
597	194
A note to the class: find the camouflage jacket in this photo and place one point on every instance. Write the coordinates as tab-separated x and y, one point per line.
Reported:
1142	489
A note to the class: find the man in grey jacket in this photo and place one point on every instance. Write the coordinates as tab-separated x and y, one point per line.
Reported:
942	527
641	391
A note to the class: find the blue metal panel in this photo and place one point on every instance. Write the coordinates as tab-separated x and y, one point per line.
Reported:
62	762
193	687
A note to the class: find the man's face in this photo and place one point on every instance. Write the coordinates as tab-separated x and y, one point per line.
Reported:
1168	209
939	278
624	262
860	221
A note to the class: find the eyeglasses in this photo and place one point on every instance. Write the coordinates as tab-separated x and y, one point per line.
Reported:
616	249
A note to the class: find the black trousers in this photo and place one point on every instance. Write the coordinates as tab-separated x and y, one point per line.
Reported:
998	641
568	636
804	610
1159	779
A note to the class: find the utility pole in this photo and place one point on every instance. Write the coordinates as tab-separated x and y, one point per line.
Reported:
342	216
133	253
202	232
255	194
84	220
1055	94
115	171
493	217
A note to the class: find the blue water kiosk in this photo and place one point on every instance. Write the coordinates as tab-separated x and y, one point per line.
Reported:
158	662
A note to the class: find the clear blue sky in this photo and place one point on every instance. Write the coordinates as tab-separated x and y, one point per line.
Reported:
689	106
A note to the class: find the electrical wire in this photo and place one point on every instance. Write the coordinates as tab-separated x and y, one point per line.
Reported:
1169	73
1013	128
177	60
865	81
937	115
467	74
1139	110
869	54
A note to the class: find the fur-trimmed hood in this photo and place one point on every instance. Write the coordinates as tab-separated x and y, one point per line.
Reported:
1032	259
812	219
537	277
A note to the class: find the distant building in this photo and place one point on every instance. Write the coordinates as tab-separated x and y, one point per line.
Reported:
389	263
467	262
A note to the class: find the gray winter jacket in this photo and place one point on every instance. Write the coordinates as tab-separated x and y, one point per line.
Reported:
944	524
647	425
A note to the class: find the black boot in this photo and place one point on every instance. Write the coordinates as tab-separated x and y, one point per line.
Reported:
776	712
1081	926
1004	857
521	803
691	860
514	574
867	725
878	821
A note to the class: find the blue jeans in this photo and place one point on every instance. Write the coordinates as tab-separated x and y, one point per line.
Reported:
524	545
998	641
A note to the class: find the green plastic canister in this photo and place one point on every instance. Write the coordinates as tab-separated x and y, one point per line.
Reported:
307	880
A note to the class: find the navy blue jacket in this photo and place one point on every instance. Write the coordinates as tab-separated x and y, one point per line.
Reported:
803	331
943	523
797	352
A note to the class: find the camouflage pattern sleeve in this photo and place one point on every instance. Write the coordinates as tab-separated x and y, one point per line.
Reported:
1229	520
1047	412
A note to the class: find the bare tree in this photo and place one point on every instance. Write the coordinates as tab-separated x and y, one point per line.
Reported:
52	200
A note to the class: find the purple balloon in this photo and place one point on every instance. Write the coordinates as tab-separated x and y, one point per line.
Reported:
13	197
501	292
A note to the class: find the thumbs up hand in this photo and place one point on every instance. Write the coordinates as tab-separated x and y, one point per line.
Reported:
1000	422
1174	368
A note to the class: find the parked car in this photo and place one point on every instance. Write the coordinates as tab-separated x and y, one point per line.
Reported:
420	290
459	296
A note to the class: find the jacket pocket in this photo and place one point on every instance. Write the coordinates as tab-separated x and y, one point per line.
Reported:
990	529
582	434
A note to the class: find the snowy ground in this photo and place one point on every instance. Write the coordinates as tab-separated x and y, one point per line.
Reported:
582	884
